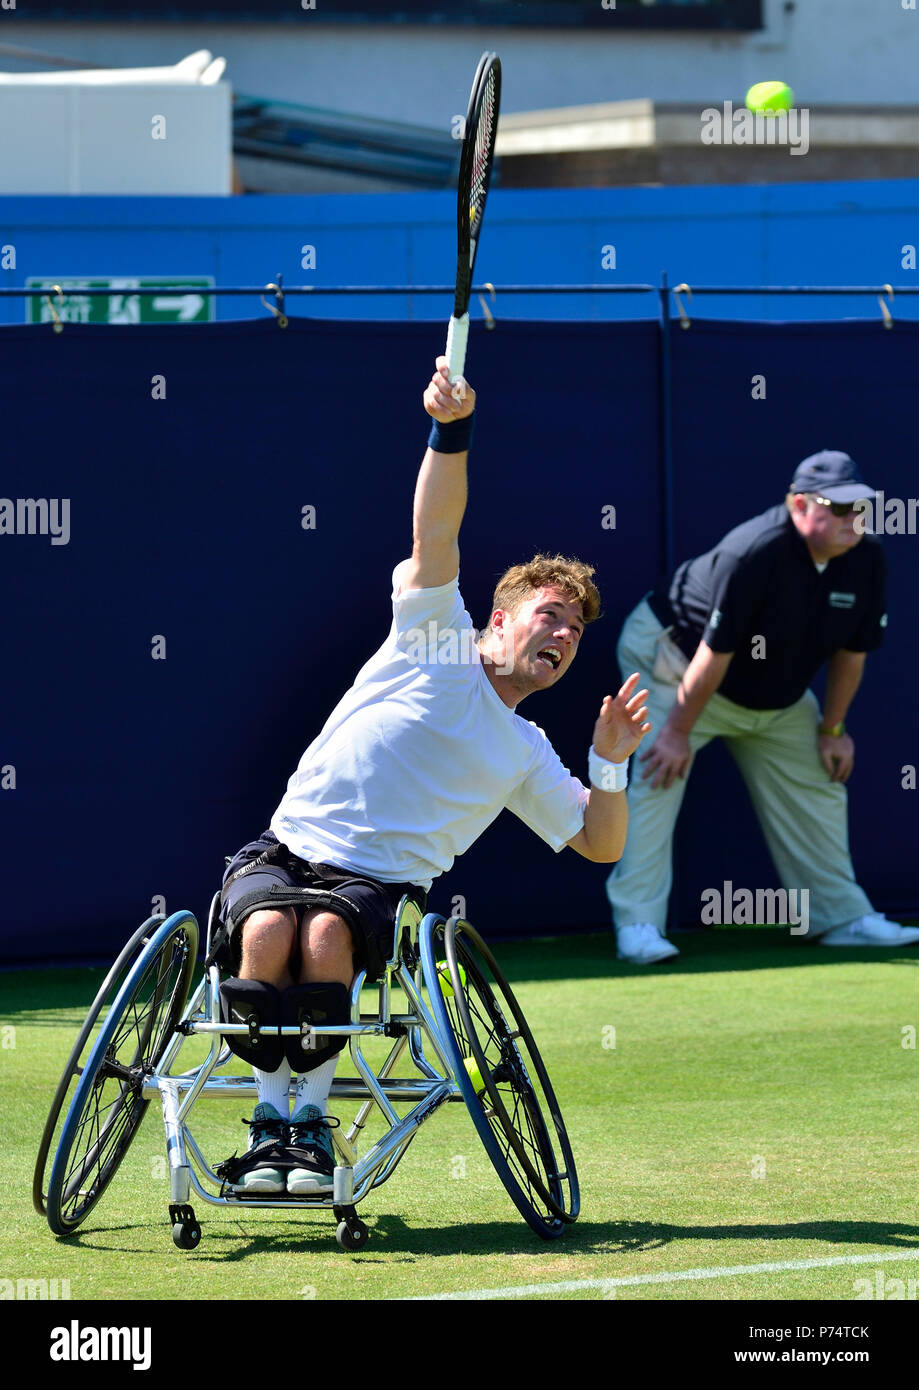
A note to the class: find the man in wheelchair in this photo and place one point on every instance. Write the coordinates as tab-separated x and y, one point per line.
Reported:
418	758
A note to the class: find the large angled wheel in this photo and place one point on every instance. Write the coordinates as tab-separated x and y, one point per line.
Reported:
500	1074
108	1103
98	1012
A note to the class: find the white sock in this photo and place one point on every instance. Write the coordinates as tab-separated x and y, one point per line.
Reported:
274	1088
313	1087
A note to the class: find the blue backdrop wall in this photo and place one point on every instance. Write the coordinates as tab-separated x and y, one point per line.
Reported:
188	455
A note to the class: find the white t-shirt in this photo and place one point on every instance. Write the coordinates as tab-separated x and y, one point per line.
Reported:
421	755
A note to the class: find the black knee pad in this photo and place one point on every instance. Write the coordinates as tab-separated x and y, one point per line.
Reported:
258	1005
316	1004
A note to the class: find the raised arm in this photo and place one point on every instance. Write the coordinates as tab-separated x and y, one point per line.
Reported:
440	493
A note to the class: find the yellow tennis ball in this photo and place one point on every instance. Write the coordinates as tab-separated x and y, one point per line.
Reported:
443	979
475	1076
769	97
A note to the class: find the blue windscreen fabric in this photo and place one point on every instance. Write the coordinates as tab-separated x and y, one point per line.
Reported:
750	401
166	666
237	496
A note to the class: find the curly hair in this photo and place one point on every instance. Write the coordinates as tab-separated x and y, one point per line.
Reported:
573	577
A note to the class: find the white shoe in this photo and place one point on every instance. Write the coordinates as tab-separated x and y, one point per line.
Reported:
642	944
871	930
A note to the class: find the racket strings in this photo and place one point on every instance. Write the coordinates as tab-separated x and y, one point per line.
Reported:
484	143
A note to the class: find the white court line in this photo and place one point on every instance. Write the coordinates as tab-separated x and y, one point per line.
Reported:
627	1281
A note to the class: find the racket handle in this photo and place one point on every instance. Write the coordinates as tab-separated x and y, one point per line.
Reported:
457	335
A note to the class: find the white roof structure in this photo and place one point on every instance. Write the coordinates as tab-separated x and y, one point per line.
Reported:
161	130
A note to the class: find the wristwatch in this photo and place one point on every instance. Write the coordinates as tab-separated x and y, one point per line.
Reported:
835	732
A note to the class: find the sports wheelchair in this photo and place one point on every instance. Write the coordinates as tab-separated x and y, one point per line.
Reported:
461	1027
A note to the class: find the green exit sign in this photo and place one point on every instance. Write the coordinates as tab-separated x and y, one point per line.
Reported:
129	299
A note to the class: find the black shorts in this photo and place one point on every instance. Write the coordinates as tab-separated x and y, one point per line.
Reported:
265	867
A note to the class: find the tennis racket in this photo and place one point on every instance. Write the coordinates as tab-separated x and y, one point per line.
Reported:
476	160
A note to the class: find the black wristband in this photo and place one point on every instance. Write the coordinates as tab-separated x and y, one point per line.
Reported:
453	438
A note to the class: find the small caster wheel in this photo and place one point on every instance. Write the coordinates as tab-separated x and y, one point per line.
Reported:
353	1235
186	1237
186	1233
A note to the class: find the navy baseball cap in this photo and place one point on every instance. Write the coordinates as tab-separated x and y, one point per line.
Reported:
832	475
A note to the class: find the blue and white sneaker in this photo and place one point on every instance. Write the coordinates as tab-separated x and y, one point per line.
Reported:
266	1130
310	1136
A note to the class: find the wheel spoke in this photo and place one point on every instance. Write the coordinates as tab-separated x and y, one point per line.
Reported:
108	1104
516	1112
82	1049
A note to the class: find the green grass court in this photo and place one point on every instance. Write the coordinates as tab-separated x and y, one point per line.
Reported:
759	1107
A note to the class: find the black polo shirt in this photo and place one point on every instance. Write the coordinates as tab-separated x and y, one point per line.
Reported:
760	582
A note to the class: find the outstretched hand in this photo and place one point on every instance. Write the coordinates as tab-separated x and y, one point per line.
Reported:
621	724
446	401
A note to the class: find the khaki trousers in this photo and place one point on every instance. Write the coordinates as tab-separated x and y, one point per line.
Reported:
802	813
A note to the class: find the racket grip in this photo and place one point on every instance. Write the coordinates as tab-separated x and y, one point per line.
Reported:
457	335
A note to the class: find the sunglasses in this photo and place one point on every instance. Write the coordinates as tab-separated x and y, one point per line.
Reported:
837	508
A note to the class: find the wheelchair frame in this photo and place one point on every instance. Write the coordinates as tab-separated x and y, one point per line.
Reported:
481	1053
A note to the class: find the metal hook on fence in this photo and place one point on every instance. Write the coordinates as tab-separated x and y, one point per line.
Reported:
489	317
684	317
58	325
887	316
278	309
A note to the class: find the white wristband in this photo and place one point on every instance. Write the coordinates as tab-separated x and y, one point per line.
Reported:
607	776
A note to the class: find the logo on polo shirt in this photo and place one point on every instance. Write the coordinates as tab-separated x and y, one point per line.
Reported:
840	600
715	619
